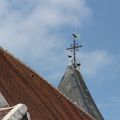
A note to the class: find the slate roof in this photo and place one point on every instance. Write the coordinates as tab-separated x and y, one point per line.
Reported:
19	84
73	86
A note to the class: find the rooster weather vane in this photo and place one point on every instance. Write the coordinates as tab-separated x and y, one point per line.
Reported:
73	49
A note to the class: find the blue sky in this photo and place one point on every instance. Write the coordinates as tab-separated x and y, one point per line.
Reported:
38	32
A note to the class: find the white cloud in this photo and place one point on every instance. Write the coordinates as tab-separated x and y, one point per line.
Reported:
95	61
29	28
19	27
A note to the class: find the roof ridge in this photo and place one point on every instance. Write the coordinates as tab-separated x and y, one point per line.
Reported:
21	62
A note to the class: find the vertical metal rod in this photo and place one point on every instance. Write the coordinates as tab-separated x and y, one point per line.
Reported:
74	52
74	47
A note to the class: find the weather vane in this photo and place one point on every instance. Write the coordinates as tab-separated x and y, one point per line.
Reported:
73	49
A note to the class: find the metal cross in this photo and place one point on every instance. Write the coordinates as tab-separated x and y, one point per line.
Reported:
74	48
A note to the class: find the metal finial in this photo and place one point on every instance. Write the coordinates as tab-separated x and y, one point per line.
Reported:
74	48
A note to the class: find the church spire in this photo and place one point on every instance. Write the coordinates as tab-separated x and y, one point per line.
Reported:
73	86
73	49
